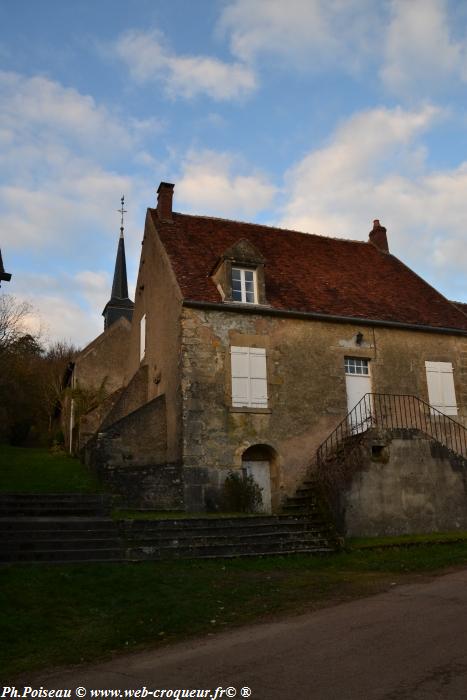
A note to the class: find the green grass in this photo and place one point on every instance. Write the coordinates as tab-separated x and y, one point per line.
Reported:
53	615
36	470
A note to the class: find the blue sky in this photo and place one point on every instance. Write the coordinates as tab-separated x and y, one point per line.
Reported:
309	114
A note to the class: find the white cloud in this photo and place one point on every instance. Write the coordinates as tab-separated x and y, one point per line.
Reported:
211	182
372	168
311	33
60	189
420	54
40	103
149	59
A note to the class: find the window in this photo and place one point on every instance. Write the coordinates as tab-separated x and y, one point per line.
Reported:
142	337
244	285
441	391
249	378
357	365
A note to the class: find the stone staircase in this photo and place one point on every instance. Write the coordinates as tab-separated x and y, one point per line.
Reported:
58	528
209	538
76	528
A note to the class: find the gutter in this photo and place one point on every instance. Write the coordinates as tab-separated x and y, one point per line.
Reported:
329	318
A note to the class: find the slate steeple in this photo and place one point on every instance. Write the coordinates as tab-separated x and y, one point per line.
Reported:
4	276
119	304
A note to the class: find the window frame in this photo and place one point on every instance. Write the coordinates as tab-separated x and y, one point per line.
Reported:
243	282
353	362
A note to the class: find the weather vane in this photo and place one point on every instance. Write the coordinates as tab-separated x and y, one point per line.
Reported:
122	212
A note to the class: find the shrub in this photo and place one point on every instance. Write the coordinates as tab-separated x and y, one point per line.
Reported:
241	493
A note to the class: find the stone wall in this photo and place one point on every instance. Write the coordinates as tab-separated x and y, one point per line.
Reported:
306	385
411	485
131	457
130	399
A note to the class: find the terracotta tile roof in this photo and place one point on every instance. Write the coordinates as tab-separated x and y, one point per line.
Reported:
306	272
460	305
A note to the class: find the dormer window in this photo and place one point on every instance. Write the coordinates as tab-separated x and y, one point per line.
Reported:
239	275
244	285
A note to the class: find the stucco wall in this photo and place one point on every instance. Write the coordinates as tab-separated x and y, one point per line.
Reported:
104	359
417	487
306	383
158	297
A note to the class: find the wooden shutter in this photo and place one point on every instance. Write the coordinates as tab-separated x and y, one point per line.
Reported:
240	376
441	391
249	378
258	378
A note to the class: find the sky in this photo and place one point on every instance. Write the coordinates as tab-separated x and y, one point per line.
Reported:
316	115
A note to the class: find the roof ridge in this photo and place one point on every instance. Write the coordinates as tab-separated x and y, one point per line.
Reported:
271	227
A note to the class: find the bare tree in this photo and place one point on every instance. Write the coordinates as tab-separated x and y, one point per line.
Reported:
13	316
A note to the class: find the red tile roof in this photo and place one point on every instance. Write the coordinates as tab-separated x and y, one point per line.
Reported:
306	272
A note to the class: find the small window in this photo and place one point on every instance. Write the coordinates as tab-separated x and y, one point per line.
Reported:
244	285
249	377
142	337
441	390
357	365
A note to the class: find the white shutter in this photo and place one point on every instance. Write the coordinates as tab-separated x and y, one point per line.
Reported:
258	378
142	337
249	378
240	376
441	391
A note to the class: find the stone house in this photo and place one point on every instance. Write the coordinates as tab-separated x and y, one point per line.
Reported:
249	344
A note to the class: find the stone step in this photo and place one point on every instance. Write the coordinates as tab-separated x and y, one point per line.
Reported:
221	523
178	539
130	530
226	550
64	524
54	543
63	556
54	504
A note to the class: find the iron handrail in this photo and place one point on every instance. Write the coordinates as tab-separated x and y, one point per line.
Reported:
389	412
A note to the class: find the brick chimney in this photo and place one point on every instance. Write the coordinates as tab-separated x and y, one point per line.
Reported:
378	237
165	193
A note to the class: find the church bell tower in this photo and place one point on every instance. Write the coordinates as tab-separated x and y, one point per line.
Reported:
119	304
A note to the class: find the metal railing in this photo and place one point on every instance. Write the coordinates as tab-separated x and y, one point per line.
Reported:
391	412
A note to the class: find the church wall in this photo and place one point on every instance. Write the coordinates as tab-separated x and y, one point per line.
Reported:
158	297
104	359
306	387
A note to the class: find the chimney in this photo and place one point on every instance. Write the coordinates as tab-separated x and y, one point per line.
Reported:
165	193
378	237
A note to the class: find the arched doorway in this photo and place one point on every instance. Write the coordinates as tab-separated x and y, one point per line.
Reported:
261	463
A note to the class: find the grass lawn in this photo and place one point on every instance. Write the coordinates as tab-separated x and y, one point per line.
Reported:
36	470
53	615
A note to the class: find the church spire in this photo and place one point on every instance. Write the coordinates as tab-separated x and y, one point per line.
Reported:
119	304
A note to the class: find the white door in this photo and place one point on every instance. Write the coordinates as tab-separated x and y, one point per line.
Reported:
358	383
259	471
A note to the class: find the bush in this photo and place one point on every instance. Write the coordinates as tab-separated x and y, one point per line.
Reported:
241	493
